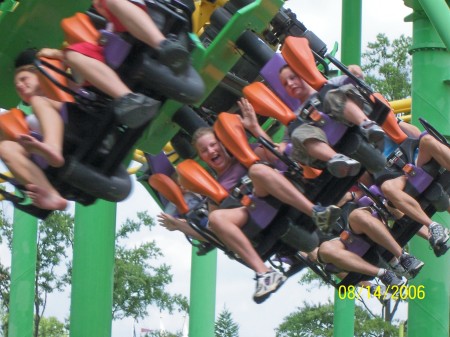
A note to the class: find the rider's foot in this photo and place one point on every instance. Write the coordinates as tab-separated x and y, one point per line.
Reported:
44	199
371	131
52	156
438	236
389	278
325	217
342	166
266	284
135	110
173	54
411	265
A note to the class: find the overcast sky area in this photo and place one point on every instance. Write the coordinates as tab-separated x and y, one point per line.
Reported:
235	284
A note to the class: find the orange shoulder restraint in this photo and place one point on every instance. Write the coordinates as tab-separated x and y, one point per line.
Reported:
196	179
169	190
267	104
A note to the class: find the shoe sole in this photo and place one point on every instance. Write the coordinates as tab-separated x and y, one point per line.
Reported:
342	169
141	114
440	250
264	297
442	242
375	136
413	273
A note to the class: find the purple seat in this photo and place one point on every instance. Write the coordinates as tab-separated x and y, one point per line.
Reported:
270	74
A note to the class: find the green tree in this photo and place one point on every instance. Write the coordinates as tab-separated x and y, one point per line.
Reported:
51	327
225	326
317	321
55	237
388	66
139	279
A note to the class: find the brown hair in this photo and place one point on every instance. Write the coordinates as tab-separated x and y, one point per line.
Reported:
200	132
284	67
28	67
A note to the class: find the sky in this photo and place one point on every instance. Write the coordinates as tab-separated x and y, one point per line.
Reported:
235	284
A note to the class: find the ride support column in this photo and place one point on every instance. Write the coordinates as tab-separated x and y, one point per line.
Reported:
202	303
93	270
23	275
344	309
429	314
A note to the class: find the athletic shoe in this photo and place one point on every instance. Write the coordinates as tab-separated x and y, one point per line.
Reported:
438	234
390	279
371	131
398	270
440	250
266	284
324	217
173	54
380	291
135	110
411	265
342	166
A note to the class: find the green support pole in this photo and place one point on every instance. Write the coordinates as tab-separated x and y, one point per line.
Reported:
344	309
93	270
439	14
351	31
23	274
203	294
431	100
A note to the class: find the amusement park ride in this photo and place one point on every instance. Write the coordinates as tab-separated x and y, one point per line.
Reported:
233	46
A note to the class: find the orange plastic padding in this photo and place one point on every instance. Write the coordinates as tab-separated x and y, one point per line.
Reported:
297	54
49	89
310	173
230	131
267	104
169	190
196	179
79	28
390	125
13	124
345	235
408	169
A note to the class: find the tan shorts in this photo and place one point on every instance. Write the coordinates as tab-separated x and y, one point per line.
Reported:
300	135
335	100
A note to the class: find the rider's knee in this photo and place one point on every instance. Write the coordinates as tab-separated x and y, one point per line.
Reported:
258	171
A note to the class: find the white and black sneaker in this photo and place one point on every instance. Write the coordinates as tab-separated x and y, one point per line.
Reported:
389	278
411	265
266	284
325	217
438	234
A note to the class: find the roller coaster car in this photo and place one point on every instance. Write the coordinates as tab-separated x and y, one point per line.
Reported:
429	184
274	229
136	63
324	188
95	142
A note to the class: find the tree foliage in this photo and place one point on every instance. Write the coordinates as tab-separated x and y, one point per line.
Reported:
139	279
51	327
225	326
55	237
317	321
388	66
